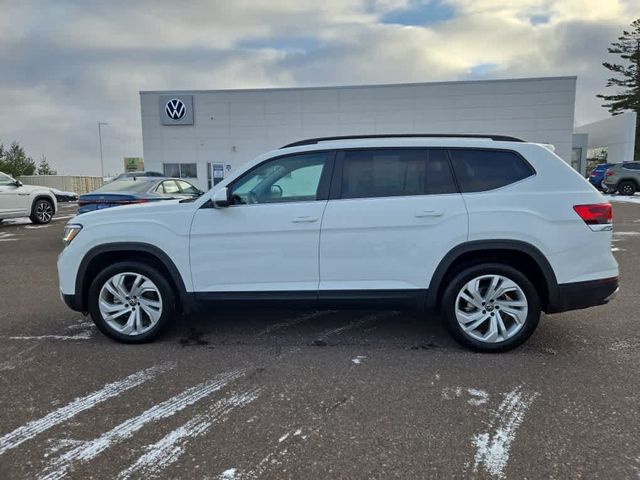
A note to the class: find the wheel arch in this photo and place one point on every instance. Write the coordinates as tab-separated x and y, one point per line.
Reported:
629	179
521	255
98	257
44	196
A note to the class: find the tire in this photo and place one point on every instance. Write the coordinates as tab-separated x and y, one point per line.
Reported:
627	187
42	211
517	328
141	321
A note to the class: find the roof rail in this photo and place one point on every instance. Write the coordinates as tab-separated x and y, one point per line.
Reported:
497	138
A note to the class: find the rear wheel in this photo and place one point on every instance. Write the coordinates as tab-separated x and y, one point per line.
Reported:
491	307
41	211
627	188
131	302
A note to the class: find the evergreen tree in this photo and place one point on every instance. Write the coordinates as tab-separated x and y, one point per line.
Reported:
627	78
14	161
44	168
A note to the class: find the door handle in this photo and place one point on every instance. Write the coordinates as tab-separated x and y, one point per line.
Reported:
429	213
306	219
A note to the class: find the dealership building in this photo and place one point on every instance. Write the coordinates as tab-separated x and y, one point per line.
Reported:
203	135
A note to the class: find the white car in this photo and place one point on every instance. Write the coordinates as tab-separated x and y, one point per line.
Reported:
491	231
18	200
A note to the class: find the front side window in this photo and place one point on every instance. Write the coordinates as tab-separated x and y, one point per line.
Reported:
482	170
294	178
395	172
170	186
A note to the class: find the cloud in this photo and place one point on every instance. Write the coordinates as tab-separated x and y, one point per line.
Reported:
67	65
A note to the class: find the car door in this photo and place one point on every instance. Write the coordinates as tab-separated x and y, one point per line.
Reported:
393	214
14	200
267	240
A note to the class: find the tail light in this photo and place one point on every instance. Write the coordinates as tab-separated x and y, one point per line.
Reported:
599	216
608	173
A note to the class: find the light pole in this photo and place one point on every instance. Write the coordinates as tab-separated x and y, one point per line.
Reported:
100	125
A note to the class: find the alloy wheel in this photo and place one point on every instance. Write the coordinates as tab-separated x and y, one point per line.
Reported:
491	308
44	211
130	303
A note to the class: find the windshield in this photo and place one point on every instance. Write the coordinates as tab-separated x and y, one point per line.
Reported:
6	179
130	186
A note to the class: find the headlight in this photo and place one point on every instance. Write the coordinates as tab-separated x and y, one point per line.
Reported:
70	232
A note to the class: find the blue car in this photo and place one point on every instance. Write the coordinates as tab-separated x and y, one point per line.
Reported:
137	190
597	175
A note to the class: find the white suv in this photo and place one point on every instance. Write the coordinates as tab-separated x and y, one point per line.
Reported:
18	200
491	231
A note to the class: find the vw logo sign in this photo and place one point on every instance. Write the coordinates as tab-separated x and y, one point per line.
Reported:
175	109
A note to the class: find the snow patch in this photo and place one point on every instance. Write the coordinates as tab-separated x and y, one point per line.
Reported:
359	359
492	447
228	474
623	198
64	464
170	447
29	430
354	324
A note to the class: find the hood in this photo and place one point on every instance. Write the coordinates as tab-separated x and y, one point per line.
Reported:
35	188
140	211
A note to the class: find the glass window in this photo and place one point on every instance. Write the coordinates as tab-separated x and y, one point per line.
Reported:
180	170
481	170
395	172
186	187
170	186
6	179
188	170
293	178
171	169
632	166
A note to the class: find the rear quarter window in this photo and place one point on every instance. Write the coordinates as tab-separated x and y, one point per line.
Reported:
482	170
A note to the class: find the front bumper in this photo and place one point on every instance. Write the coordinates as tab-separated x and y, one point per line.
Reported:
579	295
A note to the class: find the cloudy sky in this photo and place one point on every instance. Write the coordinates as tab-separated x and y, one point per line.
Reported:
64	65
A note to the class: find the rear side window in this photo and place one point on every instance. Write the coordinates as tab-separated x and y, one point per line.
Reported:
632	166
481	170
395	172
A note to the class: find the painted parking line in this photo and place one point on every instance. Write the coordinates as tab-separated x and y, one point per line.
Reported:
62	465
25	432
169	448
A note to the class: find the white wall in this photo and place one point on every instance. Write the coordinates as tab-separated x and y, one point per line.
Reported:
617	133
233	126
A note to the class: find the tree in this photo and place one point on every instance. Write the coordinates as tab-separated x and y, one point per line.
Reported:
44	168
14	161
627	78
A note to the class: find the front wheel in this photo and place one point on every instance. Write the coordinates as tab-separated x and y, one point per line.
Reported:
491	307
131	302
42	211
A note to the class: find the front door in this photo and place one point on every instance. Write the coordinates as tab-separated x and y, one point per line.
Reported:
267	240
13	199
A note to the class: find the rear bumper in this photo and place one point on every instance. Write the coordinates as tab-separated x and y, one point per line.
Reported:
575	296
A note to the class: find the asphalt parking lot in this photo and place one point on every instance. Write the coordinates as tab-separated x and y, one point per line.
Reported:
291	394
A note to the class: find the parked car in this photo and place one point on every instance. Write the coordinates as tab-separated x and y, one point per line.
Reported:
623	177
62	196
490	231
597	175
19	200
122	176
137	190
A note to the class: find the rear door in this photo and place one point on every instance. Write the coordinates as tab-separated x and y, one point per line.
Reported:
393	214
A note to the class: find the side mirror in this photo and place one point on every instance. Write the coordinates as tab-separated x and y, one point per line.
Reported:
18	183
220	199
